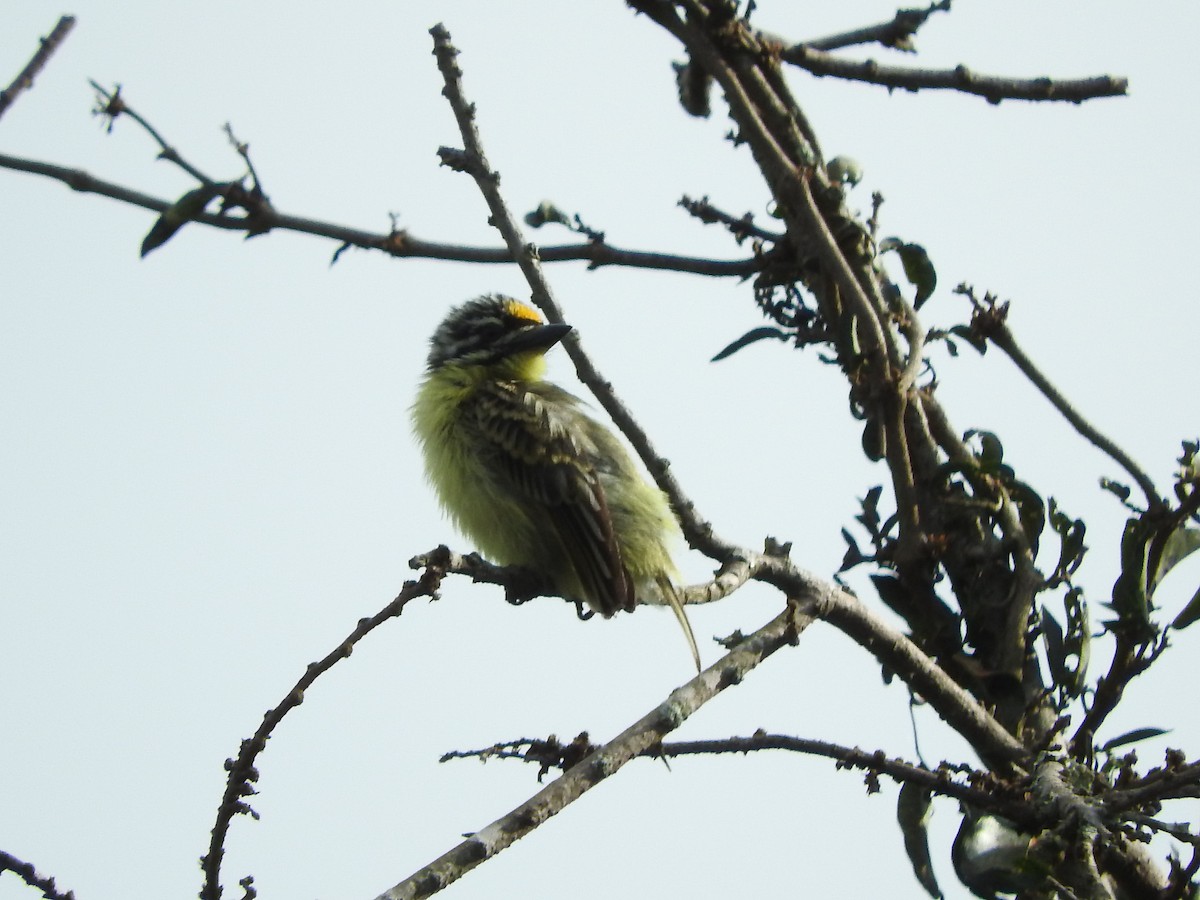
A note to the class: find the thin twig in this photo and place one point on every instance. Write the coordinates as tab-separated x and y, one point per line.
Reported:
647	732
897	32
1161	785
242	770
401	244
551	753
1000	335
1178	830
30	875
113	105
24	81
740	227
902	772
961	79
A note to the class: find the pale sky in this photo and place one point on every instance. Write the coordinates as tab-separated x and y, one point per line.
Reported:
208	473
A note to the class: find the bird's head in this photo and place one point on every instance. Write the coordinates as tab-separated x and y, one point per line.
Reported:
493	330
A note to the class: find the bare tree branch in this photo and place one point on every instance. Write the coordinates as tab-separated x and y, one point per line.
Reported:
243	773
24	81
27	873
521	585
644	734
990	87
988	320
551	753
896	33
836	606
401	244
741	227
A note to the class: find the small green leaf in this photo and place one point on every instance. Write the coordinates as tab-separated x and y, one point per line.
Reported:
853	556
870	509
972	337
1079	639
1189	614
1130	598
991	451
918	267
913	810
750	337
874	439
1070	534
1182	543
695	88
545	213
844	170
1056	652
1132	737
1031	509
1067	652
175	216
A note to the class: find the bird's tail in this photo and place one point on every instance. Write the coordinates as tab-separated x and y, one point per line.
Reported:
670	594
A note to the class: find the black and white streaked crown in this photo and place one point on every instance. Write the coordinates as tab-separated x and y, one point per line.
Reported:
474	332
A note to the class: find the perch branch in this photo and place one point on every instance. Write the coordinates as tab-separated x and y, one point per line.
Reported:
644	734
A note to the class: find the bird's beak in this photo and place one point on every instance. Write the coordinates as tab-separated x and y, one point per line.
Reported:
539	337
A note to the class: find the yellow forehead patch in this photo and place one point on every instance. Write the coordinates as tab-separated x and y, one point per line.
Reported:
519	310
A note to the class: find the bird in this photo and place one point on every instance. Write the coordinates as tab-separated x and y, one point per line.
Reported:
524	471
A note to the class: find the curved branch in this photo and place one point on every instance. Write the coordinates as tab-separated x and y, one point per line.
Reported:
999	334
644	734
242	771
990	87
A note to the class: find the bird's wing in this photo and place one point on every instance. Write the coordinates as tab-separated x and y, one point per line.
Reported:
538	455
